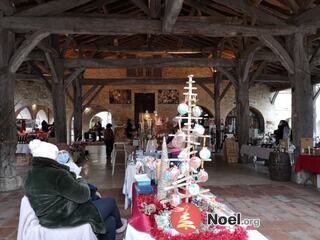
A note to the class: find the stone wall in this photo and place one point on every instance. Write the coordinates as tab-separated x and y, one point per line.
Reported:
259	99
29	93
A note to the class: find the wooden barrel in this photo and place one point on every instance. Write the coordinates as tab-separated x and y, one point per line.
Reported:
279	166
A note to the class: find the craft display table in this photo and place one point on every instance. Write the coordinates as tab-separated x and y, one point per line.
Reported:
23	148
308	163
140	225
257	151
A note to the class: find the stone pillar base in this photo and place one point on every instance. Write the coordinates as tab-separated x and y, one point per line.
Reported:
10	183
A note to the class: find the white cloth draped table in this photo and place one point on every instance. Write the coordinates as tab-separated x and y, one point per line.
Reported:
127	185
23	148
257	151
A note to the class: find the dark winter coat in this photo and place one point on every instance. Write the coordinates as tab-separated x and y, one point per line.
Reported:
58	198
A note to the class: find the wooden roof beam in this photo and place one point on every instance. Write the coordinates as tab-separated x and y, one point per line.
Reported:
172	10
52	8
127	26
153	50
262	78
7	6
309	17
147	62
141	5
142	81
250	10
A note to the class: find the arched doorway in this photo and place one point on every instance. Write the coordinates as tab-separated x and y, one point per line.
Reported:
41	116
103	117
256	121
24	114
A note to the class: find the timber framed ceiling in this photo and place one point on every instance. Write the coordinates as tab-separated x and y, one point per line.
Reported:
212	33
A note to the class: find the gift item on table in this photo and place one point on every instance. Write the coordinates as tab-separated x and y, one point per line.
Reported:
139	167
151	146
142	180
144	189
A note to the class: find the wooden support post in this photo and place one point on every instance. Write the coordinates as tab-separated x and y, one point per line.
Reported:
77	109
242	107
217	108
8	139
59	105
302	93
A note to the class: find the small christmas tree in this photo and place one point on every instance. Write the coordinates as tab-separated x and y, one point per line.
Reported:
164	165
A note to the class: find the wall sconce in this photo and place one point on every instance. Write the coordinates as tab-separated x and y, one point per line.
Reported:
34	106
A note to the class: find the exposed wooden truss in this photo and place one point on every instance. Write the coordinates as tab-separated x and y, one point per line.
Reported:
124	26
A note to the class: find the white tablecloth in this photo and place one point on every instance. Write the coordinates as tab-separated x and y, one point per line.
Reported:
127	185
257	151
133	234
23	148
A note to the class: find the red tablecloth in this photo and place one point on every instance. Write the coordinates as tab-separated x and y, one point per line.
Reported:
308	163
138	220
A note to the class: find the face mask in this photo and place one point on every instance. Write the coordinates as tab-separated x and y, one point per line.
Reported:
63	157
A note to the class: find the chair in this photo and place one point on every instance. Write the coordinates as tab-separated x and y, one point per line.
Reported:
119	146
30	229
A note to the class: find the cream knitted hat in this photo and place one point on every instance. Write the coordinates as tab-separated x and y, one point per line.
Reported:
43	149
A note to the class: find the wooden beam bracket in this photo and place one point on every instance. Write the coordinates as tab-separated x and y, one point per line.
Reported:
72	77
316	95
25	48
274	97
280	51
172	11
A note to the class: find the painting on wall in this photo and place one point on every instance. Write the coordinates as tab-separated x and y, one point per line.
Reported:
120	96
168	96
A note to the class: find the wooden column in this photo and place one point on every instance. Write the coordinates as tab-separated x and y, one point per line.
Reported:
217	108
242	107
302	92
59	105
8	139
77	109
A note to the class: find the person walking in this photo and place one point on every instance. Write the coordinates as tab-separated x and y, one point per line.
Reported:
108	140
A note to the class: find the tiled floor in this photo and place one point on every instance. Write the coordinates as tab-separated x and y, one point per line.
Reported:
286	210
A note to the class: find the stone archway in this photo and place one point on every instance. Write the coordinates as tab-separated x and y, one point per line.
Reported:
256	120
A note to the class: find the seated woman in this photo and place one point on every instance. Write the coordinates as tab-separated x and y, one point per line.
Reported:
61	199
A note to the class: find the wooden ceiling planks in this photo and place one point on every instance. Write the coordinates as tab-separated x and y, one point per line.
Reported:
259	13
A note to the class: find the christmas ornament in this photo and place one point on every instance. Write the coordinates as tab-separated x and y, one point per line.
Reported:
183	108
197	111
205	153
195	162
184	168
194	189
198	129
203	176
184	154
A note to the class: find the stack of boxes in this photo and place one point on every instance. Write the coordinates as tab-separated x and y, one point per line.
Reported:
143	186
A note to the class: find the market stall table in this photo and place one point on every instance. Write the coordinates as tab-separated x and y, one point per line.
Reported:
308	163
259	152
140	225
23	148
